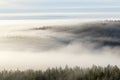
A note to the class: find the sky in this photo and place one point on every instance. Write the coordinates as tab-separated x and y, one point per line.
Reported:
58	6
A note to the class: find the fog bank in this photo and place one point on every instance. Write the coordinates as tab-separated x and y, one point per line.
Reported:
41	46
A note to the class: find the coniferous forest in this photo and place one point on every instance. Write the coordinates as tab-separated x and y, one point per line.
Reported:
76	73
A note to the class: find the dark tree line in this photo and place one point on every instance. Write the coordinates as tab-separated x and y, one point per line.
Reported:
77	73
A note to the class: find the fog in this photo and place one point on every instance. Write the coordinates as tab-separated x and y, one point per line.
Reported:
42	44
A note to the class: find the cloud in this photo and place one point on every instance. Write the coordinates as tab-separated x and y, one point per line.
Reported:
98	35
50	46
105	33
57	15
101	34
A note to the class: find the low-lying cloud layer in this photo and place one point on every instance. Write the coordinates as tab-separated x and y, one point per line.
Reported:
104	33
49	46
93	35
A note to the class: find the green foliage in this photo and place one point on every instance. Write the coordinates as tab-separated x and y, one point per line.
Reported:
77	73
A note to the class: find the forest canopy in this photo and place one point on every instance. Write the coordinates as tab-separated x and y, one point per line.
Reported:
76	73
